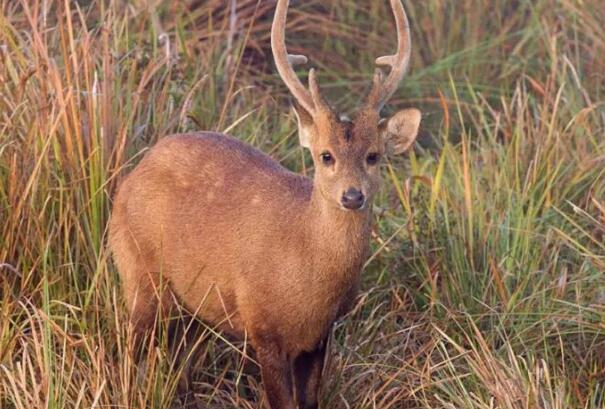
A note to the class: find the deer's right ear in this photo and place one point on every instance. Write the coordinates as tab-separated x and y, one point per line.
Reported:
305	126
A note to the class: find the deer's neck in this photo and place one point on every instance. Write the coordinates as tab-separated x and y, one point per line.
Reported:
341	236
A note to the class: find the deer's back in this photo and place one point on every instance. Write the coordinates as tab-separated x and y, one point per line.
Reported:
209	181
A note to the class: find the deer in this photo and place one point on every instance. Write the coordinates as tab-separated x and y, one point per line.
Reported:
255	250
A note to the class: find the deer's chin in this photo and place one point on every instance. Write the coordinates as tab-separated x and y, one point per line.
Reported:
362	208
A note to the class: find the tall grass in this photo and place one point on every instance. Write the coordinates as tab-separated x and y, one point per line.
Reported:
486	288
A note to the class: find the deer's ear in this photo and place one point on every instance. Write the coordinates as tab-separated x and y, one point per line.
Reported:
305	126
400	130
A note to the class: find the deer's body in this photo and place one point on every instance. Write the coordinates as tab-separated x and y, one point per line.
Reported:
212	223
250	267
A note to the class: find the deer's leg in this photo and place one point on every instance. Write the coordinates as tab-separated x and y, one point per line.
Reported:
146	296
143	290
142	306
307	376
276	374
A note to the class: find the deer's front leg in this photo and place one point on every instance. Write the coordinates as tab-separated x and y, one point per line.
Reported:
307	376
277	375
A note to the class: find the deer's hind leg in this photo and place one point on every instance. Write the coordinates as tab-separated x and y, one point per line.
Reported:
147	297
145	292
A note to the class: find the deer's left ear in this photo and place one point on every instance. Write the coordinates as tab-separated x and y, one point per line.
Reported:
400	130
305	126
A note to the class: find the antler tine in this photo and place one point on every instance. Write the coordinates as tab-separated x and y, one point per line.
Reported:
383	89
315	91
310	101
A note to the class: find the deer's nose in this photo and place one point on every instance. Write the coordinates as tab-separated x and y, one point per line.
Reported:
352	199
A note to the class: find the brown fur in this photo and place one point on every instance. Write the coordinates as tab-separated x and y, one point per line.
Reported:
235	241
216	225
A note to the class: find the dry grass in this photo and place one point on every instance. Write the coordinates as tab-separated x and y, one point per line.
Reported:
487	286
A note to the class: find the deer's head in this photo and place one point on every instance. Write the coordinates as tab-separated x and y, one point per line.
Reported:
347	152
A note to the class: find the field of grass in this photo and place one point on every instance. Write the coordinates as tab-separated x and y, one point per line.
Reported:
486	287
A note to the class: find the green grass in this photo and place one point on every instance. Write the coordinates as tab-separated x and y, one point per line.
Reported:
486	288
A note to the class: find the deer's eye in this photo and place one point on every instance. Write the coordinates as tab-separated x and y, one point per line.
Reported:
372	158
327	158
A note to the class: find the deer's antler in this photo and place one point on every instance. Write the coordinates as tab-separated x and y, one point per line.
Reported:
310	99
382	88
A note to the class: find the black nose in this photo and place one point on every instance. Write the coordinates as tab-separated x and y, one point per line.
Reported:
352	199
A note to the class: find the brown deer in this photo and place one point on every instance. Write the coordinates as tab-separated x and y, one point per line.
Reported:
251	247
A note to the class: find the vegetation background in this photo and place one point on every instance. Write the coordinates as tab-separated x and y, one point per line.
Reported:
486	287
